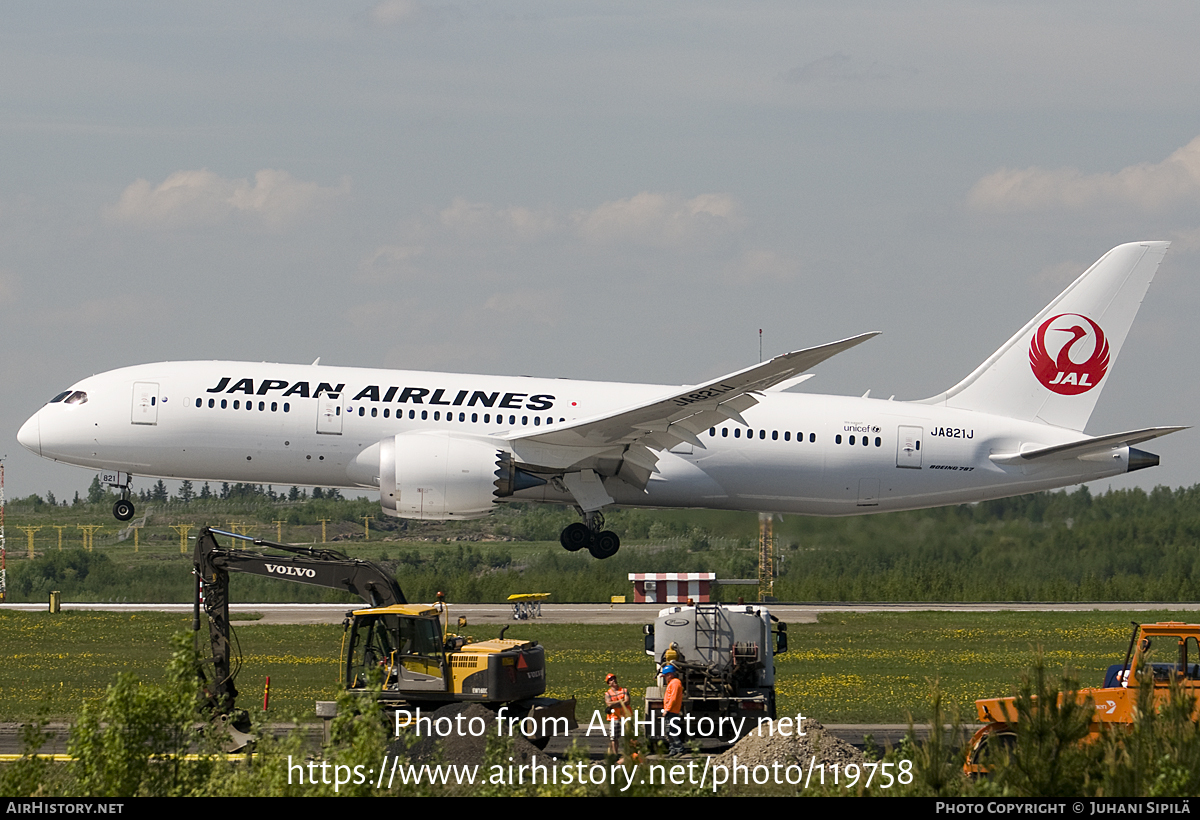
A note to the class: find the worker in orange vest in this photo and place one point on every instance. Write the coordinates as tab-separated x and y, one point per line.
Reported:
619	707
673	710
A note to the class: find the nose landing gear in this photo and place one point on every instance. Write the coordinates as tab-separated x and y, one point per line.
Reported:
123	510
600	543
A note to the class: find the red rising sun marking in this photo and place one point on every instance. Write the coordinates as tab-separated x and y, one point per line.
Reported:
1067	334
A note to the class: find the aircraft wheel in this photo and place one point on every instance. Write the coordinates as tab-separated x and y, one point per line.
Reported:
606	545
575	537
123	510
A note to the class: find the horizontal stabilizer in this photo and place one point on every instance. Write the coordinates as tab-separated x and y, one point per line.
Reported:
1094	446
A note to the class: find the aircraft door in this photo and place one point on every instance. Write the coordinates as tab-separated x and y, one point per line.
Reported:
145	403
908	447
329	414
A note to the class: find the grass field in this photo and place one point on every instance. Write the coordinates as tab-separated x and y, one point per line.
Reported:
849	668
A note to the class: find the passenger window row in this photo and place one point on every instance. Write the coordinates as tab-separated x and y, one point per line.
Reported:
249	405
866	440
237	404
538	421
762	434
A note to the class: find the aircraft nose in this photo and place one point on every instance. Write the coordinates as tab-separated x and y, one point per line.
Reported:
30	435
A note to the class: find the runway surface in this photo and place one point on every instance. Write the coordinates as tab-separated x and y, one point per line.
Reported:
793	613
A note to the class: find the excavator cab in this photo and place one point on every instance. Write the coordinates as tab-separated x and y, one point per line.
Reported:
404	642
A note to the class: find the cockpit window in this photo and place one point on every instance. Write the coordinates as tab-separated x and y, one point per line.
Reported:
60	396
78	397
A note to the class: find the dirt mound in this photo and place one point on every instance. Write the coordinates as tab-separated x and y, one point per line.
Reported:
816	745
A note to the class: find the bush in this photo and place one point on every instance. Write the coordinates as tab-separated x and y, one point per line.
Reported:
1048	759
132	744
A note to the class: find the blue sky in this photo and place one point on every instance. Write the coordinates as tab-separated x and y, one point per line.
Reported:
621	191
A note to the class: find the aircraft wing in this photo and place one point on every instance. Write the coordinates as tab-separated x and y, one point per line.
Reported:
632	435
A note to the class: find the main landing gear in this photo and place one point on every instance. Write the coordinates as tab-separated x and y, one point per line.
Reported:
601	544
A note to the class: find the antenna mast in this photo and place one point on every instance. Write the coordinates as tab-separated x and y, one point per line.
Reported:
3	545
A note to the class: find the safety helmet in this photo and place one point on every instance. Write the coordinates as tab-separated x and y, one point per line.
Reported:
610	677
669	669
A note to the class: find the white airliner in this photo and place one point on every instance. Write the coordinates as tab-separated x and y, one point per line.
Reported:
448	445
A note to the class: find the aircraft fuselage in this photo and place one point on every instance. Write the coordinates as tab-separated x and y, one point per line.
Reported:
311	426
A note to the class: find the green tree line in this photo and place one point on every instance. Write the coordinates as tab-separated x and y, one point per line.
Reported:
1124	545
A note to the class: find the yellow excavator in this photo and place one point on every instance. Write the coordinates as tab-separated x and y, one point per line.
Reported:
420	661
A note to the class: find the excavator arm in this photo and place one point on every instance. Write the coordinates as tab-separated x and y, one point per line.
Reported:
307	565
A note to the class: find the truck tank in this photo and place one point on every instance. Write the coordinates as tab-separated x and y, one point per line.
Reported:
725	655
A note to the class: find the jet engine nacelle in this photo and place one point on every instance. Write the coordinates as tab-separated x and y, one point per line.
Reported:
437	477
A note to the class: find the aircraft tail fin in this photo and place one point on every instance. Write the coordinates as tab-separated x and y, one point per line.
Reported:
1054	368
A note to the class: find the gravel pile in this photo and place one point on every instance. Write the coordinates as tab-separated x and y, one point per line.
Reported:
465	748
816	746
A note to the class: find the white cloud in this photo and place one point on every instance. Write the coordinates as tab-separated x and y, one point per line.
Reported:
390	262
480	221
1146	185
660	220
1185	239
472	241
758	265
201	198
646	219
392	12
541	306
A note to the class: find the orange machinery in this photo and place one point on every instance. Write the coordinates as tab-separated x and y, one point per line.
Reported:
1160	655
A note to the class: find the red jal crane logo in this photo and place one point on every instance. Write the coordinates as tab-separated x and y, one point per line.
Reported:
1069	354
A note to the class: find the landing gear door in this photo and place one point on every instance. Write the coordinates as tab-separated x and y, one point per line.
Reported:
329	414
908	447
145	403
